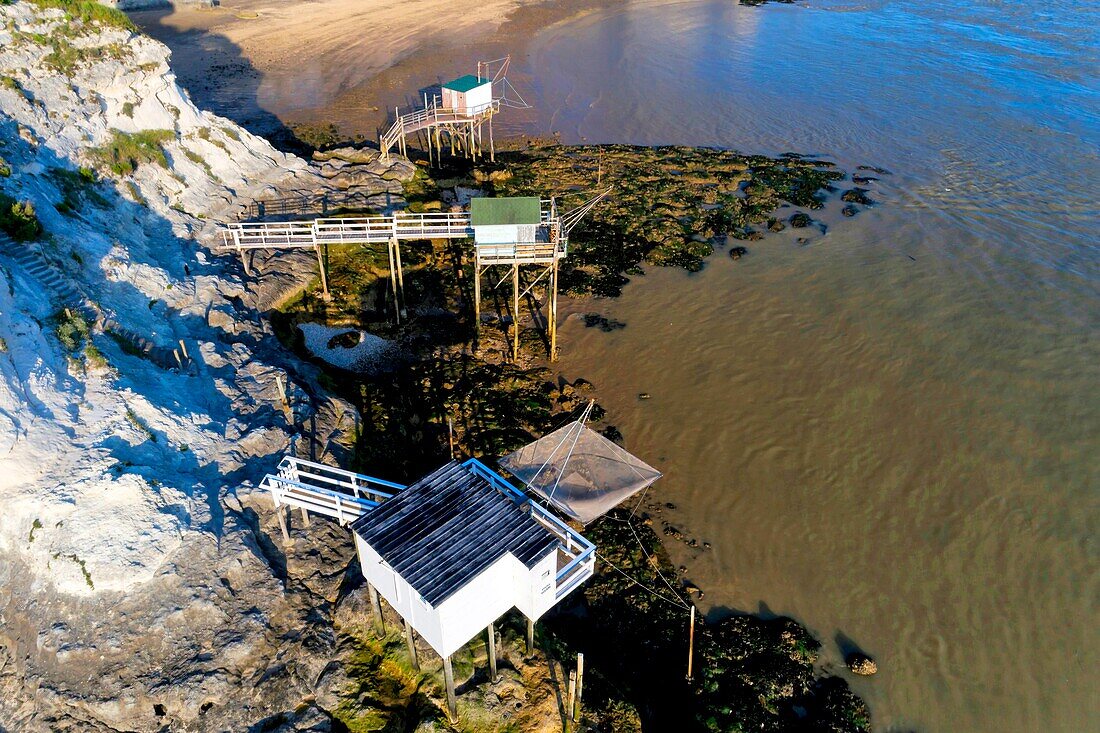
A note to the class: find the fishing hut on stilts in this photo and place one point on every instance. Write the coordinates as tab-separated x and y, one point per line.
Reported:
458	116
509	233
457	549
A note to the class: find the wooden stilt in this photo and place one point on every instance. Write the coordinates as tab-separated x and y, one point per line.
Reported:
449	680
400	274
554	310
492	653
393	281
570	700
477	295
530	635
376	609
305	517
515	312
410	640
281	514
324	277
580	687
492	150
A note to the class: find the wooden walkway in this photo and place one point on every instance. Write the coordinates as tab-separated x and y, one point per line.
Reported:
433	116
332	492
347	230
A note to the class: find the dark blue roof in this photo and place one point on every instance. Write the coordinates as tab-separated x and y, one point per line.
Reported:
448	527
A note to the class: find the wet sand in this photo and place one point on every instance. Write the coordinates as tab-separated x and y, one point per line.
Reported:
268	64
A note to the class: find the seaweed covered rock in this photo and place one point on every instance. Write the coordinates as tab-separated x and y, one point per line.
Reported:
861	664
670	203
857	196
751	673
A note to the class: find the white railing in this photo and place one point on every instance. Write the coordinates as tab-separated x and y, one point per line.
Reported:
430	116
519	251
333	492
581	552
280	235
346	230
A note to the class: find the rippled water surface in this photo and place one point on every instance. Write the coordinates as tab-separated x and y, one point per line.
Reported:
892	433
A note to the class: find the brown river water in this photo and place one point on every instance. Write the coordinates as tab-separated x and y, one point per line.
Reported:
890	434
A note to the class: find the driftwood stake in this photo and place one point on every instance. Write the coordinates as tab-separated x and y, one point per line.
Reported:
571	699
580	687
691	641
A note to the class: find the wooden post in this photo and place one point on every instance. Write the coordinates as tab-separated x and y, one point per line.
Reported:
376	608
571	700
580	687
451	436
492	150
530	635
183	348
393	281
410	640
691	641
515	311
492	654
321	267
449	680
554	308
281	514
305	517
400	269
477	293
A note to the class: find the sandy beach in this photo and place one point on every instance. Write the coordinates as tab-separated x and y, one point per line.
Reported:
270	63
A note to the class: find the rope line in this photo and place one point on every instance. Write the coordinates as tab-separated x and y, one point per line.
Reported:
674	601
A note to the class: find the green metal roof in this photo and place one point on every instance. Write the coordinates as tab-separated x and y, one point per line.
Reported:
505	210
465	83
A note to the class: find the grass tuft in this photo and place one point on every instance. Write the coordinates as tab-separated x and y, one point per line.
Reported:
126	150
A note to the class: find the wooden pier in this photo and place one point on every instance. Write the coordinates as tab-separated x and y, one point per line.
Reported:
541	241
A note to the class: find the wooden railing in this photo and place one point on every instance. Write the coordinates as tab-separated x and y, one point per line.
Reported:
581	552
430	116
333	492
346	230
520	252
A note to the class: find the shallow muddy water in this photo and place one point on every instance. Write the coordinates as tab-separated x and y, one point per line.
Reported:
890	434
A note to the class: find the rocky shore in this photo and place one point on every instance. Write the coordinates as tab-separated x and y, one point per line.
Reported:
144	390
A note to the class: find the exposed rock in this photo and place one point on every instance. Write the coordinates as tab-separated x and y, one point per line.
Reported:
800	220
861	664
132	551
849	211
857	196
737	253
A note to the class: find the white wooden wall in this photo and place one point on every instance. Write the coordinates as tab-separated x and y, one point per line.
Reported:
504	233
479	98
467	612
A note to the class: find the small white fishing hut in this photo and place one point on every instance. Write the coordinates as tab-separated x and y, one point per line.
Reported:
456	115
468	94
456	550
